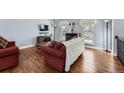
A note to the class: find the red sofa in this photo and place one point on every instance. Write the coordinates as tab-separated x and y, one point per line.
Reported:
55	55
9	56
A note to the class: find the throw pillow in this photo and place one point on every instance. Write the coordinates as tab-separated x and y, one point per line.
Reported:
52	44
3	43
58	45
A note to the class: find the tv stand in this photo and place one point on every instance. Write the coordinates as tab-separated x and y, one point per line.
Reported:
43	39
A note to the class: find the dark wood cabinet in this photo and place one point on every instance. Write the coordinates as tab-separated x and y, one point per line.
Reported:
120	49
70	35
42	39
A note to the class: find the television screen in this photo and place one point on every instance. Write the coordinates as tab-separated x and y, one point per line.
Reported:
43	27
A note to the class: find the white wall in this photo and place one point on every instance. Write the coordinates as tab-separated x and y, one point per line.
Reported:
23	31
58	29
118	31
98	35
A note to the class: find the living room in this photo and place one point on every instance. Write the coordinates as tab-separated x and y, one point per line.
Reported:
61	46
31	35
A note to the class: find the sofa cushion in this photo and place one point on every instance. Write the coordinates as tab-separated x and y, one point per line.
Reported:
11	43
3	42
58	45
52	44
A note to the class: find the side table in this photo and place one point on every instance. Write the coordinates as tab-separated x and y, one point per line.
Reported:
39	46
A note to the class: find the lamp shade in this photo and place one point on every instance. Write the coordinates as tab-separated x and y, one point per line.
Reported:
107	20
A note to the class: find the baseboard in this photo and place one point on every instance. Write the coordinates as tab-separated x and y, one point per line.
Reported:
110	50
27	46
93	47
115	54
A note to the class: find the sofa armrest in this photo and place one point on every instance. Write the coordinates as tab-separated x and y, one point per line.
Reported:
9	51
11	43
52	44
53	52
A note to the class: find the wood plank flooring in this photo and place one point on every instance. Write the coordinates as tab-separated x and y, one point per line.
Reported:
91	61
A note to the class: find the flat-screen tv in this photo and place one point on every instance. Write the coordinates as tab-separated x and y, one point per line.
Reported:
44	27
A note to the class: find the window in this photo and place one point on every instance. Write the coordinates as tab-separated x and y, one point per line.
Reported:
88	29
88	34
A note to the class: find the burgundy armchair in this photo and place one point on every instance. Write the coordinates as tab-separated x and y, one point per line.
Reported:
55	55
9	56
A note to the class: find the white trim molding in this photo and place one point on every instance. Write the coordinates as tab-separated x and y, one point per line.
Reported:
115	54
93	47
27	46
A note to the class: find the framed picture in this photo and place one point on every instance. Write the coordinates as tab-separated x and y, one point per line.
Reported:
69	24
73	23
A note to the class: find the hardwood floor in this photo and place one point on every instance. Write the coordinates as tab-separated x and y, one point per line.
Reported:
89	62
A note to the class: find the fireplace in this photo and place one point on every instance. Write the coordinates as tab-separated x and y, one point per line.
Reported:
70	35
